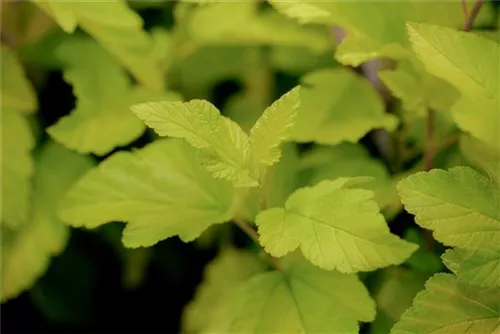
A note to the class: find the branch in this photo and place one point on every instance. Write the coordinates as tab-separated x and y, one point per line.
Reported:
469	21
255	237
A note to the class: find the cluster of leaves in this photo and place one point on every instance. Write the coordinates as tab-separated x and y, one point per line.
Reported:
320	213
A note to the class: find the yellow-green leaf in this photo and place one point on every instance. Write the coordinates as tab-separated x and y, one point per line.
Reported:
348	160
210	310
242	23
450	306
101	120
118	29
26	252
336	227
159	191
301	299
398	286
336	105
476	267
273	127
460	205
17	94
224	143
16	168
471	64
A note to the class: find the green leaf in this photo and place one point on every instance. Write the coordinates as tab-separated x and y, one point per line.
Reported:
383	34
197	72
337	105
405	87
101	120
444	129
133	188
459	205
301	299
282	178
348	160
224	143
494	35
394	296
242	23
163	45
423	260
479	267
349	15
418	94
273	127
243	109
26	252
146	4
17	168
298	60
42	52
64	294
118	29
135	261
135	264
356	50
18	94
481	156
469	63
335	225
210	310
454	57
303	11
449	306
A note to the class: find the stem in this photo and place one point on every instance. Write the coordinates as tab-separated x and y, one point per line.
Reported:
259	87
428	156
258	80
255	237
469	21
429	141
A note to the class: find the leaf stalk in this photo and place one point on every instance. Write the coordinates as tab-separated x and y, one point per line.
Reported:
255	237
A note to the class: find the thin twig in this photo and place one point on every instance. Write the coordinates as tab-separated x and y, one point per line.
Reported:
247	229
255	237
465	10
473	14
